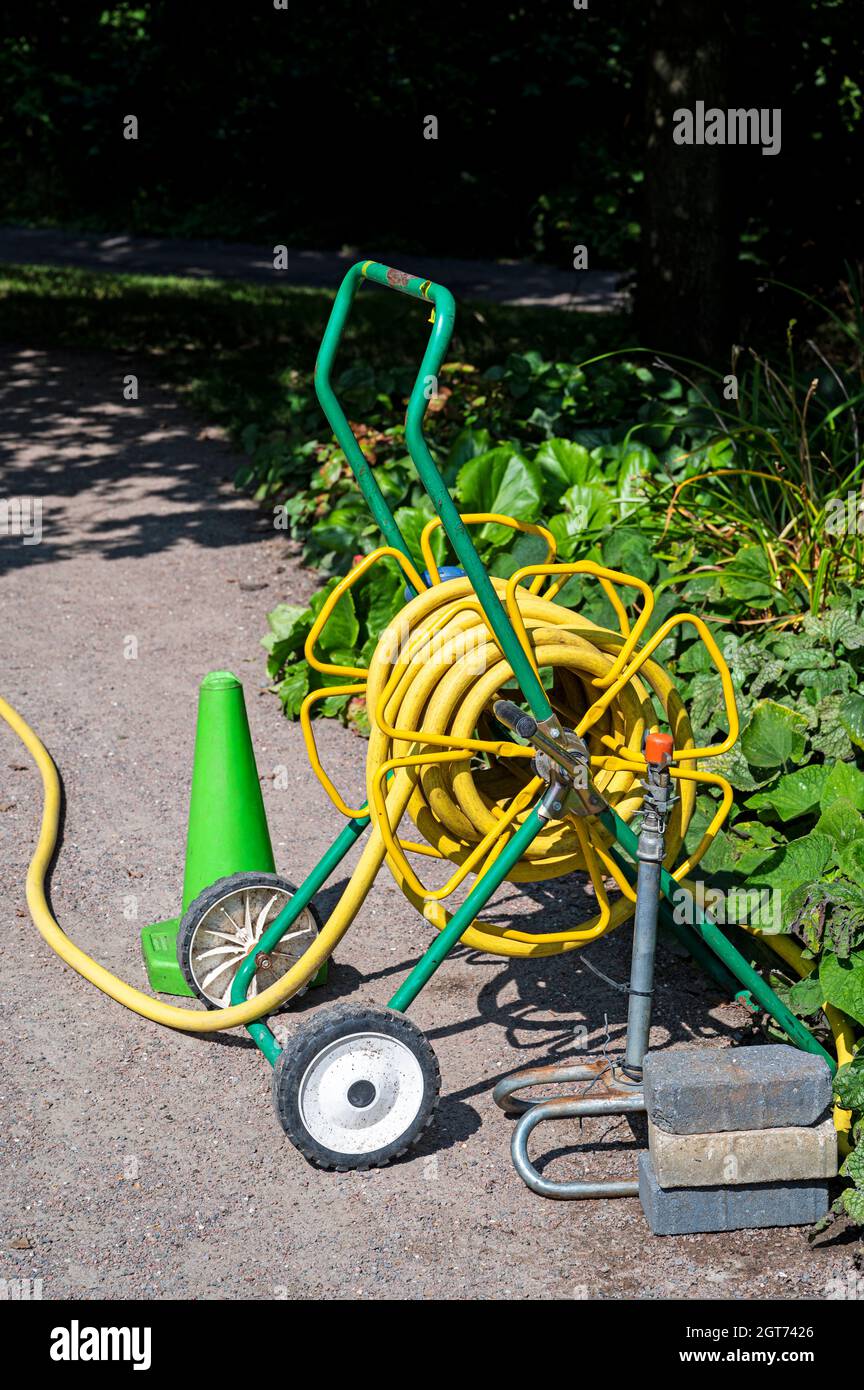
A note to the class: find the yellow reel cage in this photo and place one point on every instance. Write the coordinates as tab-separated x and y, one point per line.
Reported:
437	754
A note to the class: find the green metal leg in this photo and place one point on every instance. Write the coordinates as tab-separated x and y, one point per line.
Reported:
465	915
258	1031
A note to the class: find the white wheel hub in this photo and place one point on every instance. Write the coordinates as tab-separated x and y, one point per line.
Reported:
228	931
361	1093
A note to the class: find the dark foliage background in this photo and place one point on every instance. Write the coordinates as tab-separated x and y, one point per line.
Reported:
305	125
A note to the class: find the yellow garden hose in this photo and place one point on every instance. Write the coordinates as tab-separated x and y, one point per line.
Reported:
188	1020
435	755
453	805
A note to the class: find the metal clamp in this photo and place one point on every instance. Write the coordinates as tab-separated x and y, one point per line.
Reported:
624	1099
562	758
567	1109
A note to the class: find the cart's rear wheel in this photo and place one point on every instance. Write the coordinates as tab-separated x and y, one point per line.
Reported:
221	925
356	1087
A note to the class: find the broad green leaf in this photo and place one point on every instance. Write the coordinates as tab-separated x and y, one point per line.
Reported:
841	823
293	688
592	504
751	844
851	861
775	734
467	445
337	531
285	619
411	521
502	480
630	551
796	794
829	737
695	660
803	910
569	532
718	856
852	1199
844	781
838	626
801	862
805	997
736	769
843	983
342	628
382	597
748	578
818	685
635	463
853	1167
851	715
564	463
526	550
849	1085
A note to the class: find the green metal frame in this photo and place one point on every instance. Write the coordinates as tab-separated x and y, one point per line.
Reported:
704	940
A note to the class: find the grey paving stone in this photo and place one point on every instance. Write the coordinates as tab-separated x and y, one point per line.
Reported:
703	1090
689	1210
793	1153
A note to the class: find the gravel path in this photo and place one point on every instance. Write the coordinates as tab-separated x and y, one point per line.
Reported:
501	282
142	1162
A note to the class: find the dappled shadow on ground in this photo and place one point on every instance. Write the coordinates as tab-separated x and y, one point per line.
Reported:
557	1004
121	478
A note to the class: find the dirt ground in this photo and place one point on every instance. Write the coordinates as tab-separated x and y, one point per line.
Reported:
140	1162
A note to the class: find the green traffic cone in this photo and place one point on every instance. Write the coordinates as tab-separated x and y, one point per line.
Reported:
227	832
227	823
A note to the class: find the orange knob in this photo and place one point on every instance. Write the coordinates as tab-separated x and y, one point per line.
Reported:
659	748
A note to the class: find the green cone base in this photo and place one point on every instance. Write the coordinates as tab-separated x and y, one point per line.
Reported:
227	831
159	949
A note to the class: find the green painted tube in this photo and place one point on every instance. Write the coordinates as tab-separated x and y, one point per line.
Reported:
258	1031
444	318
713	937
465	915
338	420
456	530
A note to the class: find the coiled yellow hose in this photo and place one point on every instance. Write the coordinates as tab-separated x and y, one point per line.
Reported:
430	686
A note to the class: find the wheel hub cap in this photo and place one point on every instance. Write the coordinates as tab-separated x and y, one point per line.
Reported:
360	1093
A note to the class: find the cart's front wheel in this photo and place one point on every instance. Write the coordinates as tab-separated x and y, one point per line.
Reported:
356	1087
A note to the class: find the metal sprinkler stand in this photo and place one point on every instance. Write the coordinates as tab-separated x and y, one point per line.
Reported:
615	1088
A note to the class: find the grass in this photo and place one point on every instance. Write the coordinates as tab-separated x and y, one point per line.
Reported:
231	345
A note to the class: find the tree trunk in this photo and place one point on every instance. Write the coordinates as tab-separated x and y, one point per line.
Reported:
685	295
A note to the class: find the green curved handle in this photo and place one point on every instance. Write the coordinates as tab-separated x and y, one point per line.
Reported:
443	319
444	307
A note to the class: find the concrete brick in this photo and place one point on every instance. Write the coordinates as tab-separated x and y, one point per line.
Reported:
685	1211
702	1090
737	1156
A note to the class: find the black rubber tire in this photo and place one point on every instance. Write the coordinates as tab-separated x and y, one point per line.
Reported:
325	1028
205	901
